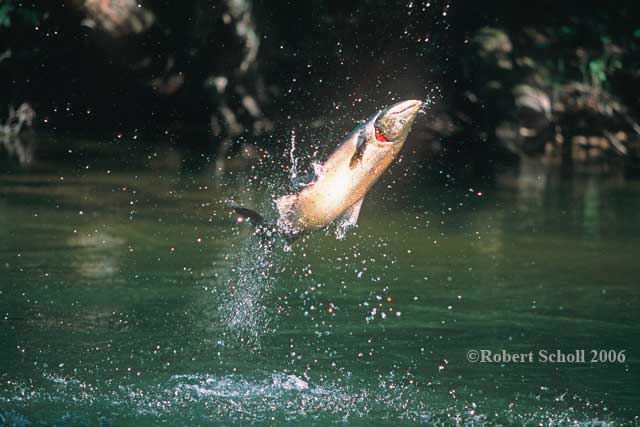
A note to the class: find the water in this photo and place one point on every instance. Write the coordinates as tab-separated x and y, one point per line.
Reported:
128	297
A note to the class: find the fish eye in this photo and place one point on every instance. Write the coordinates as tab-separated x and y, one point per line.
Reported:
403	122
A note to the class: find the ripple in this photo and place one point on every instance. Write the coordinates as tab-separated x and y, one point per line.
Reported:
205	399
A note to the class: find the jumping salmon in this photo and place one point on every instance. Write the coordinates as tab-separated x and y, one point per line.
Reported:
339	185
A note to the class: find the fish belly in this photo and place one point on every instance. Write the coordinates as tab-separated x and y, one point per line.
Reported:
327	199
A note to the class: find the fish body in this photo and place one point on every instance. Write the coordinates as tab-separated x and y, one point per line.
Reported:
340	184
345	178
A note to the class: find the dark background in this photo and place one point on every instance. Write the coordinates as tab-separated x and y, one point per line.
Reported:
553	82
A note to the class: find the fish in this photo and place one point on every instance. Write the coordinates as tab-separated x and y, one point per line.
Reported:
337	188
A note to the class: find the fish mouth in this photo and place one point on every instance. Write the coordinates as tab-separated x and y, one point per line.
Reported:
394	122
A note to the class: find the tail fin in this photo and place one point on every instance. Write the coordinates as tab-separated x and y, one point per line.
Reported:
265	231
247	215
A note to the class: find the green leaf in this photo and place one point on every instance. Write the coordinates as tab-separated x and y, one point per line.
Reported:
5	11
30	16
565	29
5	21
597	71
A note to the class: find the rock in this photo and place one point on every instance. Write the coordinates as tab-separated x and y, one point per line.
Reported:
494	47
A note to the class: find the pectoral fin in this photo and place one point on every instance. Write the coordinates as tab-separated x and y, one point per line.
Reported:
348	220
361	146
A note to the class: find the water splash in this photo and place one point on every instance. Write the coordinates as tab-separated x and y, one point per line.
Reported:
428	102
293	161
243	306
272	396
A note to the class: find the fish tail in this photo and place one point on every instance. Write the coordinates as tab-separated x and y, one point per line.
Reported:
248	215
263	230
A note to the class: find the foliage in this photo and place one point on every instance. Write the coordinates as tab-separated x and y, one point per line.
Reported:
5	13
12	10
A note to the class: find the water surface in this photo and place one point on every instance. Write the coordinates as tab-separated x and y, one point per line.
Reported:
129	297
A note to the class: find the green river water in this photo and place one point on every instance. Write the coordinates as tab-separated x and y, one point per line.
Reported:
128	297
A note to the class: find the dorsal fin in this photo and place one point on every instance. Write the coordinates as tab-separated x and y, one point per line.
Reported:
302	181
361	146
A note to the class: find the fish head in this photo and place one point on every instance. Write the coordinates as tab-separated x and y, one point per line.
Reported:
392	125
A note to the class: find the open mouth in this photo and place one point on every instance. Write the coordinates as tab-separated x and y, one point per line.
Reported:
379	135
